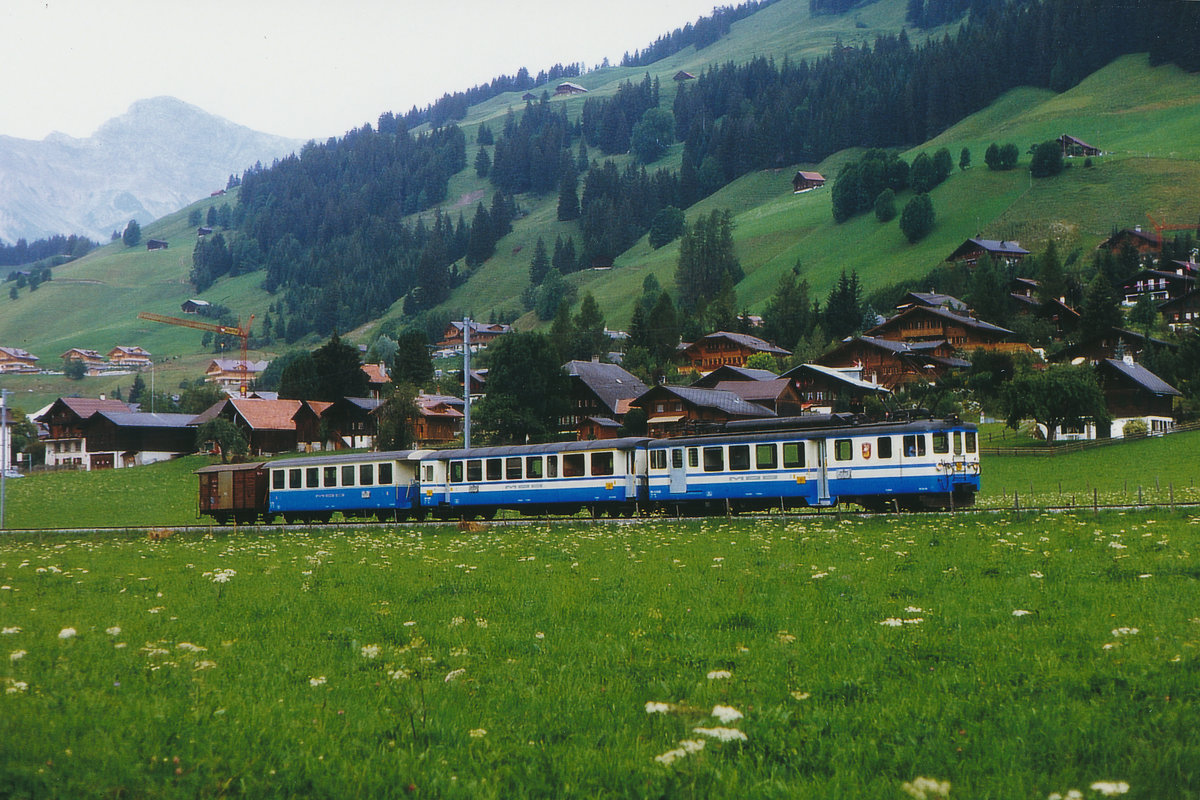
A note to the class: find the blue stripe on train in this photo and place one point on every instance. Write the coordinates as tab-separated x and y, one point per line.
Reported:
348	498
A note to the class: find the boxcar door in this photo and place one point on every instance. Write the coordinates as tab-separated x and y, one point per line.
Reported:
822	473
224	489
678	471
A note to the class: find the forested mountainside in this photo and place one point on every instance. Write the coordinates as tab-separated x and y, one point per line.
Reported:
328	226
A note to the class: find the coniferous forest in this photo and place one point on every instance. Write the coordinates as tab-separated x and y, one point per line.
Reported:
328	226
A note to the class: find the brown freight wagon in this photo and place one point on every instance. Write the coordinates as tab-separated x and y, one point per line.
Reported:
233	492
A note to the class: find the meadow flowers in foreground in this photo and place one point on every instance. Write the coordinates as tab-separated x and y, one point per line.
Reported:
907	656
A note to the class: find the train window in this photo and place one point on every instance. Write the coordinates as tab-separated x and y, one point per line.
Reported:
693	457
941	443
474	470
602	463
312	478
551	466
330	477
739	457
714	459
512	468
843	450
793	455
494	468
676	459
971	441
386	470
914	446
533	467
294	479
456	471
658	459
278	479
957	443
573	465
883	447
385	474
764	456
366	474
348	475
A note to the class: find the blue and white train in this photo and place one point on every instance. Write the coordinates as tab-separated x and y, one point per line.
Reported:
779	464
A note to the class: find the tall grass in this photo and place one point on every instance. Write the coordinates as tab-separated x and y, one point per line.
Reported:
565	660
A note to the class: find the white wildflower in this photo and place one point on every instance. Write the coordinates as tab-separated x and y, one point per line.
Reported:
10	631
17	655
914	621
319	680
785	637
1036	574
1110	788
799	695
399	674
820	575
922	788
726	714
370	651
1116	545
478	733
719	674
191	648
113	631
66	633
454	674
14	687
480	622
668	758
892	622
457	621
724	734
1124	631
539	635
653	707
692	745
410	623
1020	612
205	664
914	610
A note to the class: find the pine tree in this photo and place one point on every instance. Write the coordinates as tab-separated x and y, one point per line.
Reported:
568	196
540	264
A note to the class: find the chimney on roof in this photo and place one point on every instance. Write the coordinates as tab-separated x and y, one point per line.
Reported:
1128	358
1137	228
102	396
595	359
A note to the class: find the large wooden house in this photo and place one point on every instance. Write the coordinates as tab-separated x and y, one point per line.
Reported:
482	334
1132	392
1001	252
440	419
599	394
1073	148
232	373
129	356
1183	312
1141	241
15	360
267	425
825	390
805	181
938	324
677	409
890	363
1161	284
724	348
65	441
117	439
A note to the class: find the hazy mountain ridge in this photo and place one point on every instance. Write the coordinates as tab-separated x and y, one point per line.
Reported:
158	157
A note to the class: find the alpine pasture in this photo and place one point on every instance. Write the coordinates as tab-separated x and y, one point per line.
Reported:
991	655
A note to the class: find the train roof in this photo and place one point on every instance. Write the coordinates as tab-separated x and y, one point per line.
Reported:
775	433
625	443
350	458
229	467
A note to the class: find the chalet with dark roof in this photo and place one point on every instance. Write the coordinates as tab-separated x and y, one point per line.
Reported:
932	300
157	244
725	348
66	443
119	439
598	391
193	305
440	418
804	181
1116	343
129	356
90	358
568	88
683	75
267	425
1023	294
730	373
824	390
890	363
779	395
1162	285
15	360
1141	241
482	334
1183	312
677	409
930	324
1001	252
310	433
353	421
1072	147
1132	392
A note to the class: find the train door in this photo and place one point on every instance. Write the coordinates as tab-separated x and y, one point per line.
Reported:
678	471
224	498
822	473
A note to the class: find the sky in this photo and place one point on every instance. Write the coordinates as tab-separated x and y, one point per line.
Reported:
297	68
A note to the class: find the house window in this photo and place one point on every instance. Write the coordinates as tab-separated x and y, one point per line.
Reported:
764	456
793	455
602	463
573	465
739	457
714	459
348	475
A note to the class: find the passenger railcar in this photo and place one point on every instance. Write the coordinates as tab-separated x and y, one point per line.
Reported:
925	464
606	476
383	485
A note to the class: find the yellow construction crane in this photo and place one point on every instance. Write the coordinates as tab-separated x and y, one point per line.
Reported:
229	330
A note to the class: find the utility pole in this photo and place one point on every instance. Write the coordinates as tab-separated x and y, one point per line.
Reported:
466	383
4	440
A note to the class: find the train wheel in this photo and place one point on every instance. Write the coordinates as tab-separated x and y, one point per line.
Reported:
222	519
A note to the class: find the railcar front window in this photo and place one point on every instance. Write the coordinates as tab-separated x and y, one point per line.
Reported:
739	457
348	475
972	441
883	447
693	457
764	456
533	467
941	443
914	446
366	474
312	478
278	479
714	459
602	463
294	479
793	455
385	474
474	471
574	465
957	443
494	469
512	468
330	476
456	471
843	450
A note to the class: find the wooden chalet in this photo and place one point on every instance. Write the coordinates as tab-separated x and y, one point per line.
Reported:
90	358
353	421
377	378
1132	392
598	391
1141	241
804	181
440	418
1023	295
932	300
157	244
568	88
725	348
15	360
482	334
529	97
311	435
193	305
890	363
730	373
231	373
1183	312
65	441
118	439
203	231
677	409
824	390
683	75
1162	285
1116	343
1001	252
268	425
780	396
1072	147
930	324
130	356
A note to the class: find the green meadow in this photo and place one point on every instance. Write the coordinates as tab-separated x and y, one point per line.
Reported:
991	656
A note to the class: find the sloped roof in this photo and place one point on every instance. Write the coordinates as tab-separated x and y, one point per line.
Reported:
728	372
934	300
839	376
723	401
145	419
1142	377
947	314
755	391
18	353
84	407
236	365
610	382
376	373
258	414
993	246
745	340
